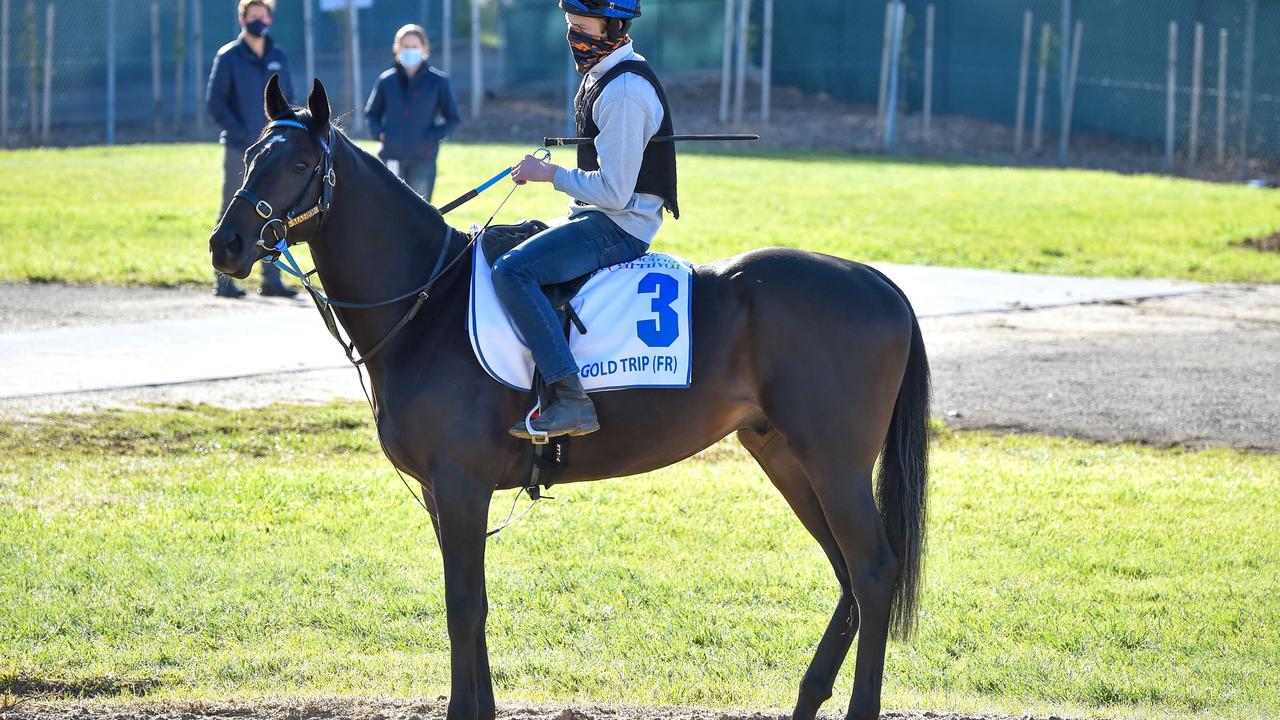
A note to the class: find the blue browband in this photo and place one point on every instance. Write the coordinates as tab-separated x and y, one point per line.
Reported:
286	123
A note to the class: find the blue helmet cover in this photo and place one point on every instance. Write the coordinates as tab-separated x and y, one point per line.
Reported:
620	9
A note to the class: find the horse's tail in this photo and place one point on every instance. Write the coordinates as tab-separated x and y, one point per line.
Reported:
901	488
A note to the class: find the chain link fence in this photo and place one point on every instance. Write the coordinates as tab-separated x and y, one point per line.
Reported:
1180	86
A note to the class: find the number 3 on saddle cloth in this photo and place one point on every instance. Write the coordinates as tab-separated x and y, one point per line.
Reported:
632	328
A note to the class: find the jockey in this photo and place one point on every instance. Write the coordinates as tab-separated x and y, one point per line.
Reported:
618	192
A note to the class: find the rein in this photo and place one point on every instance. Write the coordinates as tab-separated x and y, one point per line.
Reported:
278	253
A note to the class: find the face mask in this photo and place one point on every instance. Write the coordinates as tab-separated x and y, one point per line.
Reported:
257	28
411	58
589	50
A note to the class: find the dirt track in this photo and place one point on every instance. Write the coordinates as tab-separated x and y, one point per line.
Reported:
383	709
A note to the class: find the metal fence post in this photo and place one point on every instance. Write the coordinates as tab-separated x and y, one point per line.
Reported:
766	63
740	81
1197	80
884	70
477	88
891	101
179	62
1171	95
1246	112
309	39
1222	96
155	66
46	107
1064	80
929	14
4	71
726	66
197	64
1023	70
111	72
33	66
1069	114
446	32
353	18
1042	83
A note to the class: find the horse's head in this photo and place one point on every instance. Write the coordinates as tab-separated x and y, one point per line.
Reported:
287	183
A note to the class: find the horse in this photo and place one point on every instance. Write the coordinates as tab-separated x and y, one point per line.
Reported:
815	362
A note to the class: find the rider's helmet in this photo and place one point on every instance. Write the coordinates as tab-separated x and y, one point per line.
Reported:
618	14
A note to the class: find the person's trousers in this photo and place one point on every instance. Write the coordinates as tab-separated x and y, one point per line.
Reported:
232	179
421	176
582	245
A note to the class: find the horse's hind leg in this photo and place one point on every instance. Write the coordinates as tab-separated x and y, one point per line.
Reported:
770	450
849	505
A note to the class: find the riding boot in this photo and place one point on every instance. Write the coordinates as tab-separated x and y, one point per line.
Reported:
570	412
225	287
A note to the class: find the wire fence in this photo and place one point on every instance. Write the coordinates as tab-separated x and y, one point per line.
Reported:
1179	84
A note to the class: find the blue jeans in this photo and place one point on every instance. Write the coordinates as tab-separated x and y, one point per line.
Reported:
582	245
419	175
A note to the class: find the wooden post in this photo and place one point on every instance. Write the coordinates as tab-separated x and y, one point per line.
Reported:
156	96
1171	95
740	78
111	72
353	19
766	63
4	71
309	40
726	62
1023	71
884	70
197	64
929	14
1076	39
477	79
1222	96
895	62
446	33
46	109
1042	83
1197	79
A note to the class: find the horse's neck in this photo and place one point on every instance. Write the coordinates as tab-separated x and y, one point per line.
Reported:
378	241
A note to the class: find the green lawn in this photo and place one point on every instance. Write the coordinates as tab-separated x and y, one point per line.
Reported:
142	214
201	553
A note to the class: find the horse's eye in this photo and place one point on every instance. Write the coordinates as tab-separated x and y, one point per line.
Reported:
300	167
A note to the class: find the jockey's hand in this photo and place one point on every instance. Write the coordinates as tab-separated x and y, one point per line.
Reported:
531	169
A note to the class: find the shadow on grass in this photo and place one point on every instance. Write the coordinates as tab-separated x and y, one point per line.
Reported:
22	686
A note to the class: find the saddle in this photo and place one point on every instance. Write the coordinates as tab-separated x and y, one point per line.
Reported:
498	240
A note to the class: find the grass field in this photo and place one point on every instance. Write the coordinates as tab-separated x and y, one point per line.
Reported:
142	214
201	553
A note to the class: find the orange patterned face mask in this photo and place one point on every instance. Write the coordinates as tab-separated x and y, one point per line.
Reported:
589	50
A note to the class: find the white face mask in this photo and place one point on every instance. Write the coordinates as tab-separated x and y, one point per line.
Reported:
411	58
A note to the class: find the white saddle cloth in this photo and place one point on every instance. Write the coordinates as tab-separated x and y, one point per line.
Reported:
637	314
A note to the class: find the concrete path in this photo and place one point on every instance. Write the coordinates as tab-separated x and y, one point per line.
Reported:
58	339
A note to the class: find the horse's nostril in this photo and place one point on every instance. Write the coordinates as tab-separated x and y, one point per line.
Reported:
236	246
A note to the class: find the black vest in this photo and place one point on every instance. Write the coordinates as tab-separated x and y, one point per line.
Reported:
658	169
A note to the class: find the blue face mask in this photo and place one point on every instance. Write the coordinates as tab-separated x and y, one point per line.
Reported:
411	58
257	28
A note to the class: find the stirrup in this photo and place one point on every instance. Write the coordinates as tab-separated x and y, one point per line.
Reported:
537	437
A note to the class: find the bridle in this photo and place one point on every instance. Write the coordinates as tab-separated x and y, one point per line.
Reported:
273	241
279	227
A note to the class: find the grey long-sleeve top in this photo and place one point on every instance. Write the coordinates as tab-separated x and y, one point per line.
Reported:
628	114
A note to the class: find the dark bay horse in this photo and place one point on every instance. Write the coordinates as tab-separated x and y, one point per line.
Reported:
814	361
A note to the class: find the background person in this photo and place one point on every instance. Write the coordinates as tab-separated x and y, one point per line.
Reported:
411	111
234	97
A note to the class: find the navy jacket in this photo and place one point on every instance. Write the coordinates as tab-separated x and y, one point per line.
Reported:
236	84
415	113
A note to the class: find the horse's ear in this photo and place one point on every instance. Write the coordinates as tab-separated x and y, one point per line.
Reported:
318	104
274	102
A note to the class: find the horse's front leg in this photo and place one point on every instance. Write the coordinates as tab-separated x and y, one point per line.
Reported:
464	510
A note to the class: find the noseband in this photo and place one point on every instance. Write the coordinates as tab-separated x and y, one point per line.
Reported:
279	227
